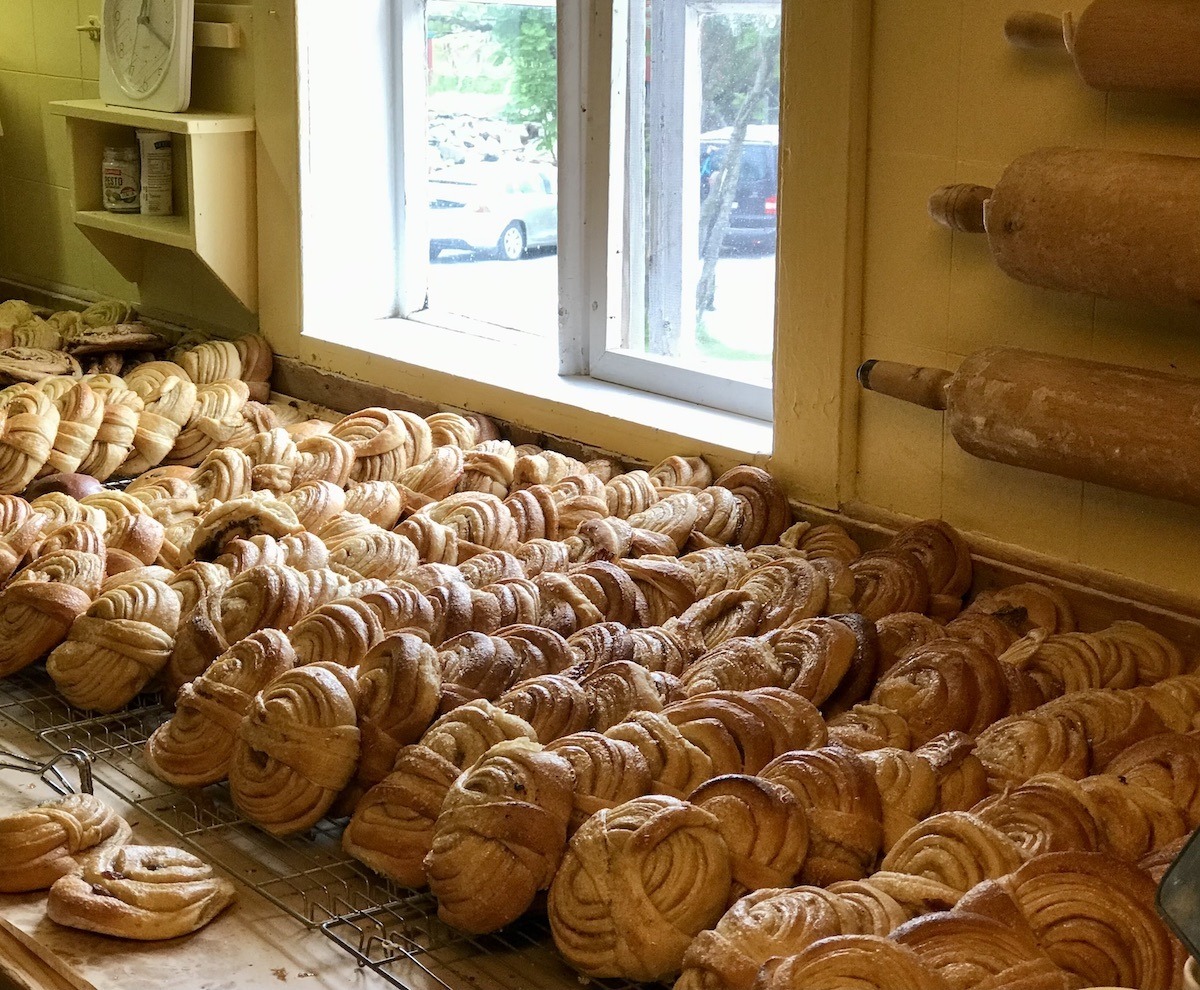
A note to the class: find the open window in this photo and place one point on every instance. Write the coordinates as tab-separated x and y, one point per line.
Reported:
594	183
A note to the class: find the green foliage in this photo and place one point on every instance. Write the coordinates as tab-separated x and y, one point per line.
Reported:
730	47
534	94
524	39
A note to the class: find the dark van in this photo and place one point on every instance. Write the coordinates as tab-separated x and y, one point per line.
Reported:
752	220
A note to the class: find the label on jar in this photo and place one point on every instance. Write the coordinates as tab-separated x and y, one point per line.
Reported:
156	172
120	186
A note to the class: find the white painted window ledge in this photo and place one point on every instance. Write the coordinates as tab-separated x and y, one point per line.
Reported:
520	368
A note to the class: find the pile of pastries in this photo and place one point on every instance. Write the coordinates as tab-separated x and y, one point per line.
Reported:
93	393
709	741
79	849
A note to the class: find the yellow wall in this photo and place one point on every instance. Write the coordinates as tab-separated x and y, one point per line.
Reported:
952	102
883	102
43	58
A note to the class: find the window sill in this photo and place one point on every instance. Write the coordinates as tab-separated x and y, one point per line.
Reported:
513	377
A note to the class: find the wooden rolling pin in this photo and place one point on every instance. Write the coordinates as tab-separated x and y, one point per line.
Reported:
1124	225
1145	45
1103	423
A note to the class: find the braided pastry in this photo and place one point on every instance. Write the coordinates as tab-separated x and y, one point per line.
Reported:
616	690
323	457
864	962
637	883
716	569
888	581
464	734
1048	813
764	826
80	412
435	477
194	747
677	765
297	748
766	512
140	892
681	472
30	424
41	844
168	399
391	830
117	646
316	503
845	813
1029	606
1094	916
500	836
944	686
552	704
955	848
399	683
41	602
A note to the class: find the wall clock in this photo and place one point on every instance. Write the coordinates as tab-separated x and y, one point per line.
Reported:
146	53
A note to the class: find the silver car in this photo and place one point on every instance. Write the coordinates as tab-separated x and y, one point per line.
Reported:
498	207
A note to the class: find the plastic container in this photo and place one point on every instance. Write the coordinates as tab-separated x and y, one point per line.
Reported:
120	173
156	173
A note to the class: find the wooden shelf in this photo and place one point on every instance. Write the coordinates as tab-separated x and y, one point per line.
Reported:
196	122
213	190
172	231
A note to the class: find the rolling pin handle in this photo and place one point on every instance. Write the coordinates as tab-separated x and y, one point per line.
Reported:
910	382
960	207
1031	29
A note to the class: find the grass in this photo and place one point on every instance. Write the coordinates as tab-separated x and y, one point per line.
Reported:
720	351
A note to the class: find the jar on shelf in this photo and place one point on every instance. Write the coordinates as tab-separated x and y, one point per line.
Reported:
121	178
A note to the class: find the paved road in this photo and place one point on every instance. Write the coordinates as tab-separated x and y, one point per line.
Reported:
523	295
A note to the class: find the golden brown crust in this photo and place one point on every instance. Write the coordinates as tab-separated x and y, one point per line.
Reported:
141	892
193	747
297	748
764	826
117	646
845	812
864	962
50	840
399	684
391	830
500	836
636	885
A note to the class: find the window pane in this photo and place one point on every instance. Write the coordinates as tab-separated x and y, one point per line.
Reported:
702	197
492	132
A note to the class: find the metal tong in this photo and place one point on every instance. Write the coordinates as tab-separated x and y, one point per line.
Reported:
50	772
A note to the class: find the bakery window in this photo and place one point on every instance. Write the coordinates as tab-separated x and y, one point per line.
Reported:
591	187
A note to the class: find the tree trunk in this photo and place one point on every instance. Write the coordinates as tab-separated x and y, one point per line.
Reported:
718	205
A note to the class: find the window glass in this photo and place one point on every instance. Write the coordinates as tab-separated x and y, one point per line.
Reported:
492	134
701	203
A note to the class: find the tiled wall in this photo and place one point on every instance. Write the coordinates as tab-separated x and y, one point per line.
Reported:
952	102
43	58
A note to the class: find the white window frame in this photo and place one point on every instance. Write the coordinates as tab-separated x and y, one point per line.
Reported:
594	284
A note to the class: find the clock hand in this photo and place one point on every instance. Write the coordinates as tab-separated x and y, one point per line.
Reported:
154	31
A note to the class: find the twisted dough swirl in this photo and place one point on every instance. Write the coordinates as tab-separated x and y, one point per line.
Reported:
114	649
399	685
391	830
141	892
500	836
861	962
764	826
193	747
41	844
30	423
40	603
297	748
1095	917
637	883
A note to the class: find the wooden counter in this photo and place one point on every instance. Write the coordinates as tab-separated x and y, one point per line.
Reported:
252	944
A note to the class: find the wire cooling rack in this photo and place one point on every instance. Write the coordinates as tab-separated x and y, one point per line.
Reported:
393	931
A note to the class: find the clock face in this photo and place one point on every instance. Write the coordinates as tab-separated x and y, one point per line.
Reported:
140	38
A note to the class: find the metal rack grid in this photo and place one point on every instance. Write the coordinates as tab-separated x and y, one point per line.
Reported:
392	931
